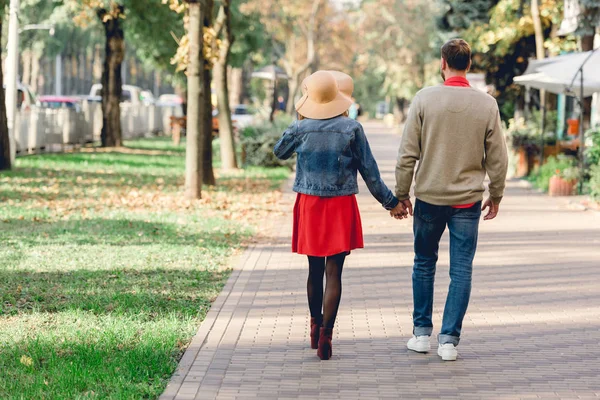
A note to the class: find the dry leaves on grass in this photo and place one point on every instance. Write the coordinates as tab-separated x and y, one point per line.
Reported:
235	198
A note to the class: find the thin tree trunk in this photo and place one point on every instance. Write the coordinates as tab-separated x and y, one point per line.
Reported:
195	103
97	64
75	73
112	80
401	105
310	56
274	102
82	82
4	142
26	56
227	141
293	86
35	70
208	176
236	84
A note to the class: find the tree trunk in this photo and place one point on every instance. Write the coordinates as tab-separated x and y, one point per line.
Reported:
310	57
35	70
236	84
208	176
4	142
274	102
227	141
26	56
97	64
401	106
195	104
112	80
293	84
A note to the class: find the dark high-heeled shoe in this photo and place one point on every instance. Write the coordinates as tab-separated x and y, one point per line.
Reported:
325	349
315	325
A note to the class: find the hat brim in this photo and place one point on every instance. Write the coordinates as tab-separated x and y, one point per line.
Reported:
309	109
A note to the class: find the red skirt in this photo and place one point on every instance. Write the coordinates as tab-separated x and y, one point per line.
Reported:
325	226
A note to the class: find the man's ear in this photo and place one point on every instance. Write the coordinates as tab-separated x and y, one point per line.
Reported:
444	64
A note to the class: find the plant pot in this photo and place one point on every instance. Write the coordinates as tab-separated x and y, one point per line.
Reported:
561	187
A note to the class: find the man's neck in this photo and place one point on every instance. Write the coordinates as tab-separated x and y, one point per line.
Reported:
453	74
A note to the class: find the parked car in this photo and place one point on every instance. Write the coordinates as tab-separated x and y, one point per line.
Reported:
56	102
26	98
147	97
129	93
242	116
170	100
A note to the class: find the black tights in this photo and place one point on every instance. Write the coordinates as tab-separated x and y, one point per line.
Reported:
330	301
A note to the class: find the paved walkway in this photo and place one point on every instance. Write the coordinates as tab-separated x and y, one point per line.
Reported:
532	330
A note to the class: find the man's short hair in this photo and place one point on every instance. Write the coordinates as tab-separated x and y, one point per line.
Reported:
457	54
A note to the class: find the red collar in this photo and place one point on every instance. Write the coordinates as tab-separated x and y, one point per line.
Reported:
457	81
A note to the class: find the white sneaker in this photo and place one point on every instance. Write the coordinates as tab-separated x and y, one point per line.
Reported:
420	344
448	352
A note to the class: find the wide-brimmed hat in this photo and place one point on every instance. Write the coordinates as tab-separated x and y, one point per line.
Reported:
323	98
345	82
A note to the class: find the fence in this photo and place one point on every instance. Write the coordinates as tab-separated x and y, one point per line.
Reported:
43	129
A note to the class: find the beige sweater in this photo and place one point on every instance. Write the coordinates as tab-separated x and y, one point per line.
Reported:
455	134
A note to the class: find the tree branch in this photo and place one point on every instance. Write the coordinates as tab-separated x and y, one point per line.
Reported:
220	21
310	38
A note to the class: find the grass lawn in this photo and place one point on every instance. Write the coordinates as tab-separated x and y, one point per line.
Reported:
106	270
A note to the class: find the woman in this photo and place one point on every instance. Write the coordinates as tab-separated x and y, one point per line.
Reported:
331	148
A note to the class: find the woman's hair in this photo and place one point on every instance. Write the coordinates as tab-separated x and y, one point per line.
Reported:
344	114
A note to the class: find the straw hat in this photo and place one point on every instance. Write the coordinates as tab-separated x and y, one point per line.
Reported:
323	97
345	82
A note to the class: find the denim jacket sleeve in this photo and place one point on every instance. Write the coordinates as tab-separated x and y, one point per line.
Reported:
286	146
367	166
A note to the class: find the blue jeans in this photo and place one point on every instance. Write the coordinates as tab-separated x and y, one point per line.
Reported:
430	221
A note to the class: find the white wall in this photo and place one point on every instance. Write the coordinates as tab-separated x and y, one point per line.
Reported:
39	128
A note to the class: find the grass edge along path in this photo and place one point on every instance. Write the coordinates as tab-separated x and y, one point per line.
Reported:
107	271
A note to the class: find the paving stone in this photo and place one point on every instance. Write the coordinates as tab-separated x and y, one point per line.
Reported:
531	331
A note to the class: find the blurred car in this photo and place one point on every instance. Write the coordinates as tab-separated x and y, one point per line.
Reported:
129	93
56	102
147	97
170	100
26	98
242	116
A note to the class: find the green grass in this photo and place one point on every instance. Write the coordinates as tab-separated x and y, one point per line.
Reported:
106	270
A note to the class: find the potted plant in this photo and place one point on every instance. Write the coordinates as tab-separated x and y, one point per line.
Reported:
524	144
563	182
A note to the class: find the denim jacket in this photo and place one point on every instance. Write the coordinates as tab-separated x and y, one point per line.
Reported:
330	152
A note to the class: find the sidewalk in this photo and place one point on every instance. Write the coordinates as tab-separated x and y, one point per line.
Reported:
532	329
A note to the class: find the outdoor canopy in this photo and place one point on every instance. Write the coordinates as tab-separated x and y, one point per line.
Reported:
561	74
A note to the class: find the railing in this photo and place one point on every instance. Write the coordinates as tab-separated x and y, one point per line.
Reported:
44	129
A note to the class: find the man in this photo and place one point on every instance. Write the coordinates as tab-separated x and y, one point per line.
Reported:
454	132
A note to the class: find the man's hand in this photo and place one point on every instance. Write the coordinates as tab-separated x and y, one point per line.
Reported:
408	206
399	212
493	209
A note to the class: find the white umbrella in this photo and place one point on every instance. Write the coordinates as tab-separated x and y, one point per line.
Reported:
569	70
541	80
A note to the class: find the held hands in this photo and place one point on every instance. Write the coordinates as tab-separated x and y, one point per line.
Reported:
405	208
402	210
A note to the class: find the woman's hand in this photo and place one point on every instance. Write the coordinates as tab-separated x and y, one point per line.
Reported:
399	212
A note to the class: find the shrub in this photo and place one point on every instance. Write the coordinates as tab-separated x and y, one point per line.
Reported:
592	154
562	165
258	142
595	182
521	134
